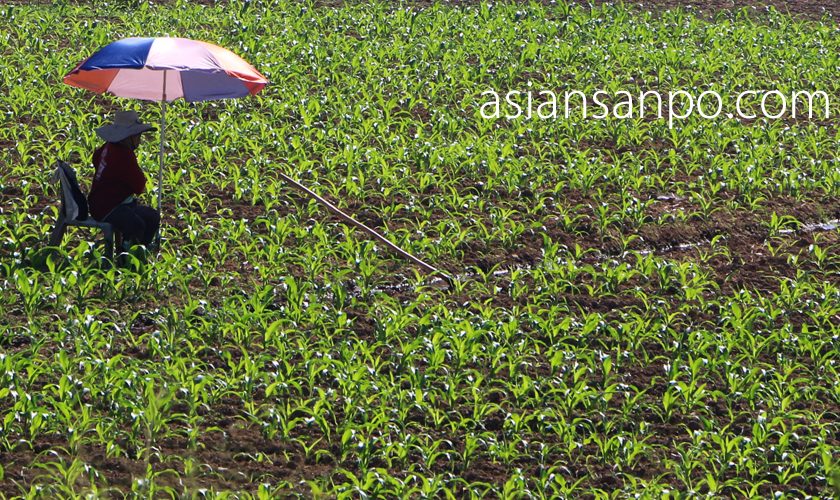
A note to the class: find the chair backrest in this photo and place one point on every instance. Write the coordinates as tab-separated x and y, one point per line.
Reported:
73	202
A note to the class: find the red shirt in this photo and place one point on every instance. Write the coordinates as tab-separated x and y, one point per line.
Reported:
117	177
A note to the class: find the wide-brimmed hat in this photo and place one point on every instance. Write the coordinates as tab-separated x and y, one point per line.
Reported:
126	124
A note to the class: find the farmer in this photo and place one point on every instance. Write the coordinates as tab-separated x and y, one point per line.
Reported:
118	178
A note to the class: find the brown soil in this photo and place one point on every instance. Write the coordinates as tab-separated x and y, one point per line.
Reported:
749	266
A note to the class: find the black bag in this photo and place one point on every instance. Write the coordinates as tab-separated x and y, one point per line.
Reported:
73	184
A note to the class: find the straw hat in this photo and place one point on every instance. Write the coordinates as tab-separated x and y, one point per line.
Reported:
126	124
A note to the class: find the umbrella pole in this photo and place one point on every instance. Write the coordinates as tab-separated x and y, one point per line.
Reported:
160	167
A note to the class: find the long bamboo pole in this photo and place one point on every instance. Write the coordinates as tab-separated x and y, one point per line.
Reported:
428	267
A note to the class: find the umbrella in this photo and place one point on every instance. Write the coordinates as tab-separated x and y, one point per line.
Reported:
164	69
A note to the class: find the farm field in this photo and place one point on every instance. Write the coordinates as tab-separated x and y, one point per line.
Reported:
642	308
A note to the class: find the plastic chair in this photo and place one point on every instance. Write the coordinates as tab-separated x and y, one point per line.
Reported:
69	210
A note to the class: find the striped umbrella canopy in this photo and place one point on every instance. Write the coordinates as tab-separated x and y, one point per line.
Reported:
164	69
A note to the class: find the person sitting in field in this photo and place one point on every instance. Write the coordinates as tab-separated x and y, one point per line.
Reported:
118	178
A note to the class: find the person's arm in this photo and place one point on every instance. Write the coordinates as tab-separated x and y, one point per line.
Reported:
134	176
138	181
